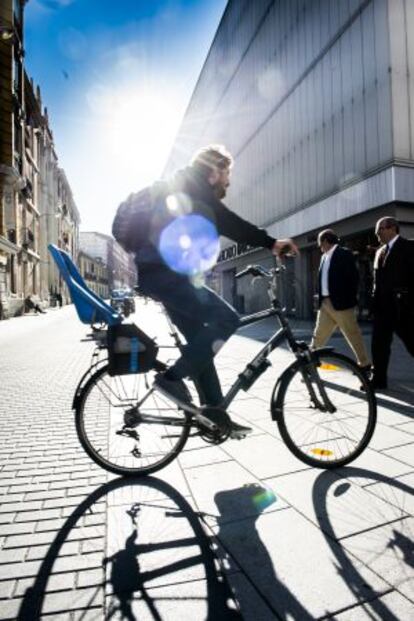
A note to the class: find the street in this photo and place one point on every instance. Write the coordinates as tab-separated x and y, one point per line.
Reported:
240	530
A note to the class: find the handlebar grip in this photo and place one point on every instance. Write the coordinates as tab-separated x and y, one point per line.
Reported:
243	272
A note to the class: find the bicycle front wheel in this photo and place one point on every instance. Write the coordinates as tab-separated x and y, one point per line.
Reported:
326	411
125	427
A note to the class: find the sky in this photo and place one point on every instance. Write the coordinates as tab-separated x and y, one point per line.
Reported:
116	77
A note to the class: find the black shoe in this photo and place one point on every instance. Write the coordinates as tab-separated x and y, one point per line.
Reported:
238	432
377	384
175	389
367	370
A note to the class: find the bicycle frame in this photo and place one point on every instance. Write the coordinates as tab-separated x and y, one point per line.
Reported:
260	362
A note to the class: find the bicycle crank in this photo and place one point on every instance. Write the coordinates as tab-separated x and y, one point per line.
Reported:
214	424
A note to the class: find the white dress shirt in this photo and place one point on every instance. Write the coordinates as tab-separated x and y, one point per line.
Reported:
325	263
391	243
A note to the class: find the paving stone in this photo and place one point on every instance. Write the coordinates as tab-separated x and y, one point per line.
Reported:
37	516
7	518
67	549
10	609
389	606
90	577
19	570
380	462
403	453
12	556
14	529
20	506
6	588
58	582
81	599
202	455
386	437
264	458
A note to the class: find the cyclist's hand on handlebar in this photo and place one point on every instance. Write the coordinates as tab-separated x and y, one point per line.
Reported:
283	247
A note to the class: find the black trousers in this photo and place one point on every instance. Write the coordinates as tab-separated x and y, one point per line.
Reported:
385	325
203	317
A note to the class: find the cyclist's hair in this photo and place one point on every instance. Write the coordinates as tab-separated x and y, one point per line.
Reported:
329	236
210	157
390	223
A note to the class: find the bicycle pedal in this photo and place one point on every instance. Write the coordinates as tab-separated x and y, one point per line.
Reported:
128	433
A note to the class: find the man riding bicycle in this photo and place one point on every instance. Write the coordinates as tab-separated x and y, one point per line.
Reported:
181	242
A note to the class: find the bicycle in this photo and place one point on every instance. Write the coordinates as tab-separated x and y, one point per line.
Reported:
322	403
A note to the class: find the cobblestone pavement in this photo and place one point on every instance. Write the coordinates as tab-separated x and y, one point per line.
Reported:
293	542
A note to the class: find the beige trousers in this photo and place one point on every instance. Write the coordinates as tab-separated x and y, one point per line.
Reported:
329	319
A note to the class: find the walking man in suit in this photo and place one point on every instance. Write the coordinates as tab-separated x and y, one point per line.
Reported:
338	285
393	296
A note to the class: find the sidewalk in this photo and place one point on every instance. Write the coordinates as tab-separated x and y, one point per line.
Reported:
292	542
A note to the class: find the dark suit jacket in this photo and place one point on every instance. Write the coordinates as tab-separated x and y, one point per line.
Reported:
394	279
342	279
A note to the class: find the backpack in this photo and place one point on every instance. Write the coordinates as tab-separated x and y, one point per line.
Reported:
132	227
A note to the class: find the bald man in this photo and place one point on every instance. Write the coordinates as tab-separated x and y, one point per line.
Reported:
393	296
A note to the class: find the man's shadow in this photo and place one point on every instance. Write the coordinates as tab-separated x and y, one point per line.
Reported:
128	581
251	501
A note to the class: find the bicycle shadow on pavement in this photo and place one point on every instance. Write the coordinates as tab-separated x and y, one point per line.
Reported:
160	563
375	532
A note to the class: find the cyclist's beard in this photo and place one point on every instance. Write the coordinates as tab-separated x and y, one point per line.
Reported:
219	190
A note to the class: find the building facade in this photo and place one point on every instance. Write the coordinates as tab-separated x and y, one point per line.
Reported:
120	265
315	99
95	274
36	202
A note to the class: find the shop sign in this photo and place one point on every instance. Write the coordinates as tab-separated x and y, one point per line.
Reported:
231	252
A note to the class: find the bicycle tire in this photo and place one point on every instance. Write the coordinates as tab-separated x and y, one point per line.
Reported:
100	416
331	445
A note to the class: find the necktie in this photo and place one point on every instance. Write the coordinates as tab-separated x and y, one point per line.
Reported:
385	254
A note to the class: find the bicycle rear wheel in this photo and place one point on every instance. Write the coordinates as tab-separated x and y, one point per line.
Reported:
321	438
125	433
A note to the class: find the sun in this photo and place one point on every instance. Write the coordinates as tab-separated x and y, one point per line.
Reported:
141	132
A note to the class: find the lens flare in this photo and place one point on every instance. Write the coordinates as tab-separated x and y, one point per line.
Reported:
264	499
179	204
189	244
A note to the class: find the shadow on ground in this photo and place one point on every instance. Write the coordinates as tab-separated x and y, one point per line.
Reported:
127	580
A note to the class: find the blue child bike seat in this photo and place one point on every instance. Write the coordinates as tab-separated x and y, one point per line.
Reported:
89	306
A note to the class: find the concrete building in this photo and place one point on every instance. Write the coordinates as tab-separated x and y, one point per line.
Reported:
95	274
315	99
121	269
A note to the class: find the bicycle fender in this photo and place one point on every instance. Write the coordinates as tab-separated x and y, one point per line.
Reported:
84	379
276	398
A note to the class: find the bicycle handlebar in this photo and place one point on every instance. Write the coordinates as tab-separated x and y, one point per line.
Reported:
260	271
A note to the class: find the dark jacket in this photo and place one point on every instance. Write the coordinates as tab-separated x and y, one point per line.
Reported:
203	202
393	289
342	279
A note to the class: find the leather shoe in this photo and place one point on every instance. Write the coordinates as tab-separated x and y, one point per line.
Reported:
377	384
